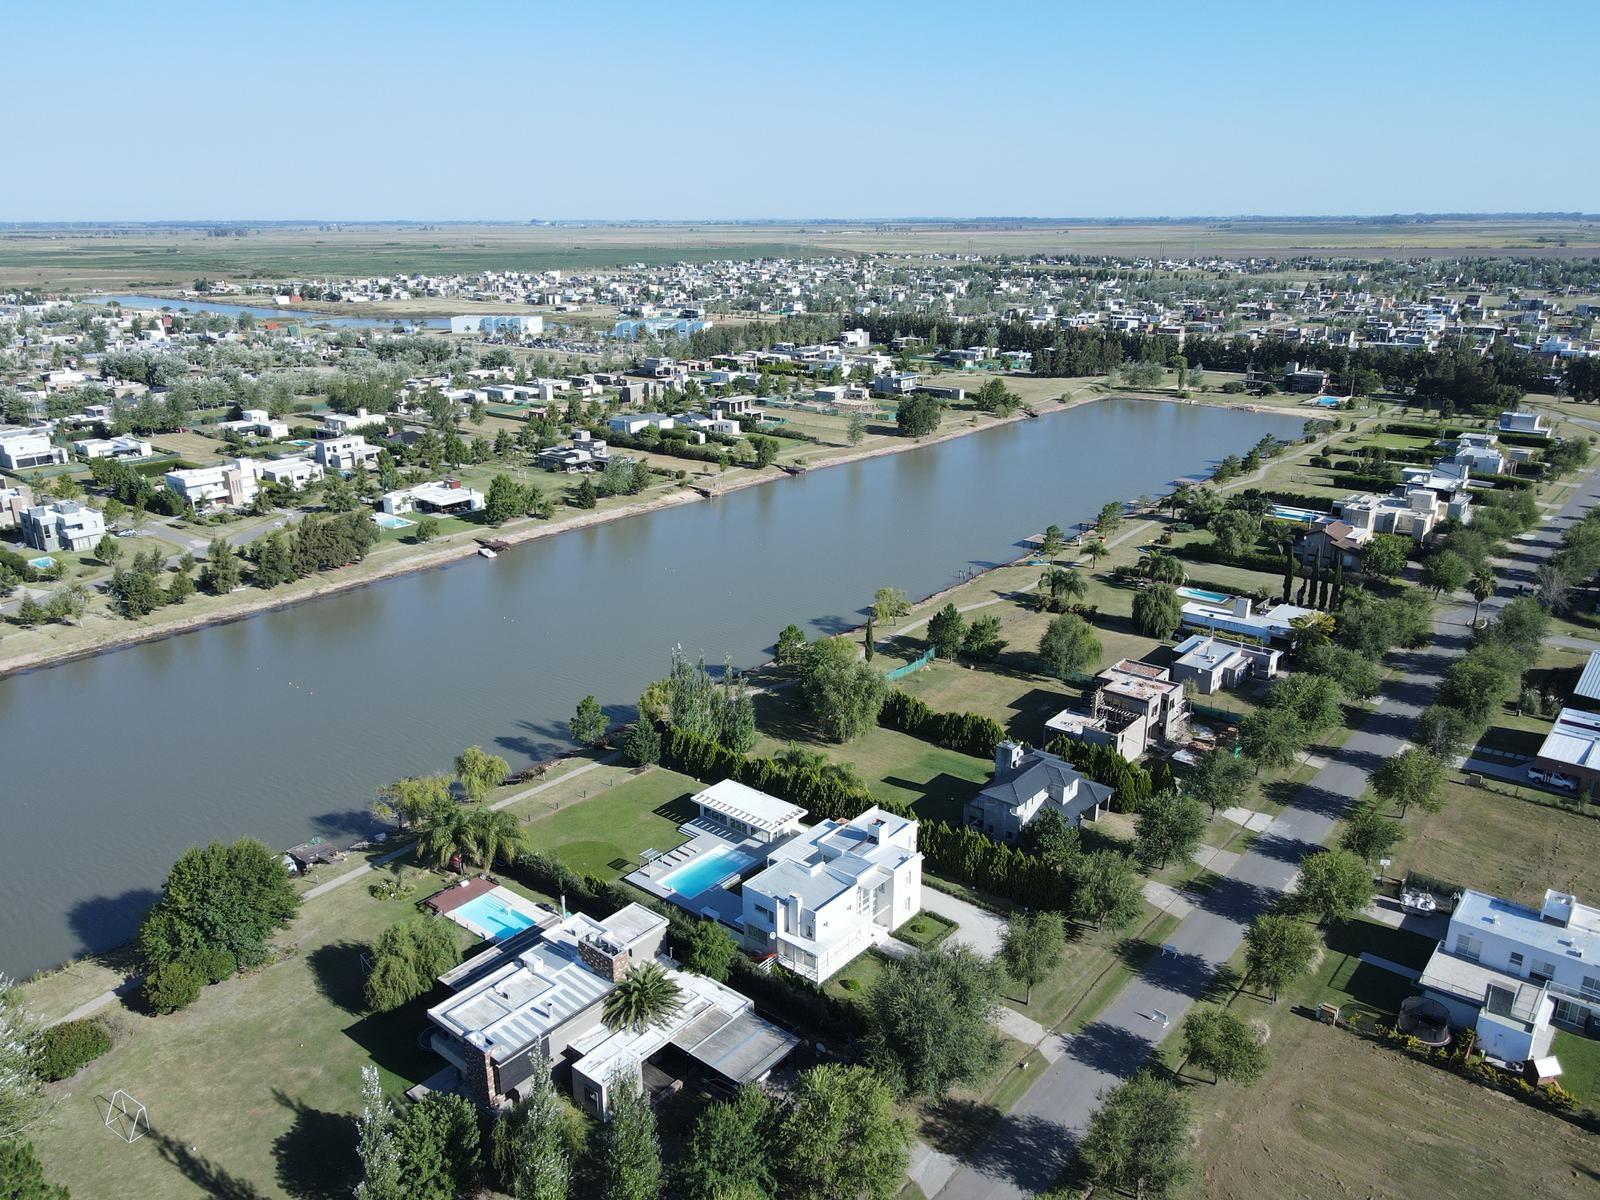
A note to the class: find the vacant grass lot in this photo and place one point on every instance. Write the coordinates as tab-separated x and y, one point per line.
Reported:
1496	843
605	833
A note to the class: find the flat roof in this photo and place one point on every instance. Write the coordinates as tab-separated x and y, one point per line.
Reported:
733	799
1574	739
1589	682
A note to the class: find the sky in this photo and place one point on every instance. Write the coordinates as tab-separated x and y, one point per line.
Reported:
461	110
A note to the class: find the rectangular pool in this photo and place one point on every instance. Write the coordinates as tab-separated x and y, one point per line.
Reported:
705	871
1202	594
1304	515
492	915
389	521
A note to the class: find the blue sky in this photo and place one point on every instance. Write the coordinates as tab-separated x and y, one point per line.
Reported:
512	110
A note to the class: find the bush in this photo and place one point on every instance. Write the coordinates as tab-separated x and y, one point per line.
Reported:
172	986
967	732
63	1048
213	963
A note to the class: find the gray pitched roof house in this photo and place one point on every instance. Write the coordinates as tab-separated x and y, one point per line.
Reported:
1025	783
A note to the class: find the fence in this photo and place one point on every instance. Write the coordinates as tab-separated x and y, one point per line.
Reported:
915	664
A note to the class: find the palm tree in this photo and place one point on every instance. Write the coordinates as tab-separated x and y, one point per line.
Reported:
1180	496
1482	585
1063	585
1162	567
491	834
645	996
1312	629
1096	550
444	835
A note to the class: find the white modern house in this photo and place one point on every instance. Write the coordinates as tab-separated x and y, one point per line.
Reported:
259	423
833	891
1237	615
1510	972
226	485
62	525
295	471
443	496
1524	422
31	447
345	453
538	997
1212	663
121	446
342	424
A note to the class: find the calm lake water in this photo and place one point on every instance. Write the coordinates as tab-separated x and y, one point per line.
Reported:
287	315
281	726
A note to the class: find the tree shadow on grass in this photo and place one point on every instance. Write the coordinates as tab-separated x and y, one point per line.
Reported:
214	1180
940	797
316	1155
340	974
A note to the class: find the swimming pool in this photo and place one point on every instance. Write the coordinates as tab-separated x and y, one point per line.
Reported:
42	563
705	871
389	521
493	916
1304	515
1202	594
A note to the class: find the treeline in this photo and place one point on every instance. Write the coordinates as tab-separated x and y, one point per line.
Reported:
1134	785
966	732
318	543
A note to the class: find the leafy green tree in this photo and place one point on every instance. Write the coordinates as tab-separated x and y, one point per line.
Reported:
840	1139
1053	543
1313	699
1138	1140
855	429
406	960
918	415
1334	884
407	802
179	588
928	1020
791	646
1444	571
1031	946
503	501
1161	567
589	724
480	772
1413	776
645	996
440	1148
1048	836
1385	555
1110	518
380	1156
1217	1041
22	1175
946	631
427	528
642	744
108	550
709	950
730	1149
1157	609
1278	949
766	449
889	605
1069	646
982	641
534	1142
222	572
234	896
1169	826
843	693
22	1098
1219	779
1370	835
1107	890
1271	737
631	1150
170	987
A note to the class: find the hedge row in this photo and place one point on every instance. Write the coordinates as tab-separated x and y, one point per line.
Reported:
1300	500
966	732
1272	564
971	857
822	796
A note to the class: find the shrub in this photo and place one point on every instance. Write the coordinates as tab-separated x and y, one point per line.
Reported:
172	986
63	1048
969	733
213	963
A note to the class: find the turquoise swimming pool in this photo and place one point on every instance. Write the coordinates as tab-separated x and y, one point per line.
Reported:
705	871
390	521
42	563
1305	516
1202	594
492	915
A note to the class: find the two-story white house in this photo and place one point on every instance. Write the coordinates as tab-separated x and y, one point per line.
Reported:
1509	971
62	525
226	485
346	453
834	890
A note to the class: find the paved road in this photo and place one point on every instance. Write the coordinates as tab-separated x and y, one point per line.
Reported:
1027	1150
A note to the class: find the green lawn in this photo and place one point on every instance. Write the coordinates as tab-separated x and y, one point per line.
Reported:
1580	1065
604	832
925	930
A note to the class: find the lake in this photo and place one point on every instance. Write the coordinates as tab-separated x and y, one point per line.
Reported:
281	725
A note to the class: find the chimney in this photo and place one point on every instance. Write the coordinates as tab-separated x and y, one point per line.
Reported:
1007	758
604	960
1557	908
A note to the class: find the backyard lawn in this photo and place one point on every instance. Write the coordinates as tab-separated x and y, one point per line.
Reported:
1580	1065
604	833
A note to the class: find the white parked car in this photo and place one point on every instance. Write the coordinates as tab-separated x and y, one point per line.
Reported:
1554	779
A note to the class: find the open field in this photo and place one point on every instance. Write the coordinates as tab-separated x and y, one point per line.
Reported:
126	256
1499	844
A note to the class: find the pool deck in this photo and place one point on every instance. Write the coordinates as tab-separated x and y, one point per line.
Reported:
448	901
704	836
